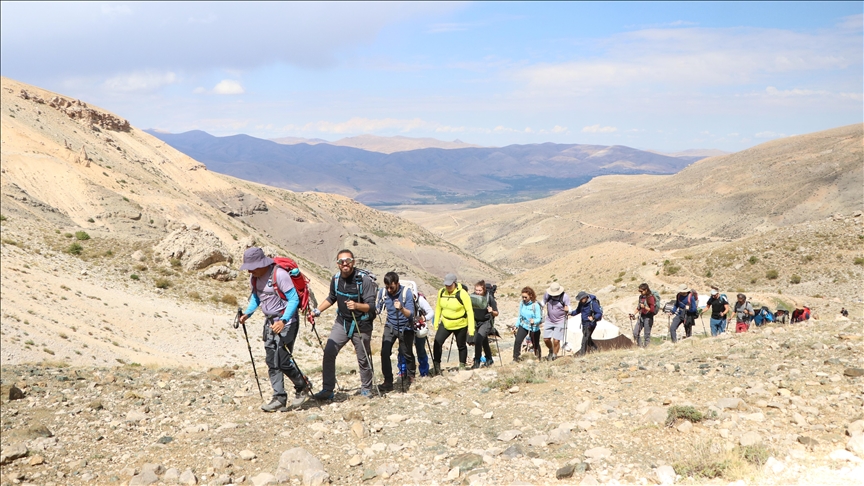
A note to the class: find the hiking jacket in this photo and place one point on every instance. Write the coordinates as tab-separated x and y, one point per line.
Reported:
588	309
686	302
265	296
528	311
426	309
395	317
480	303
649	302
454	310
360	290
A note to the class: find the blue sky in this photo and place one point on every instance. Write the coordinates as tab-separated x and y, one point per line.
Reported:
666	76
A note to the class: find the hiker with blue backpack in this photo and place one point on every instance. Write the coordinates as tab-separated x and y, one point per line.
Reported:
274	292
528	323
353	291
719	311
400	305
588	307
424	316
685	310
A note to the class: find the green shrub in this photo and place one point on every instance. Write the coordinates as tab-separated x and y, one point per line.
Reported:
175	262
753	260
859	261
795	279
671	269
194	295
2	217
229	299
68	235
163	283
772	274
685	412
81	236
91	220
709	274
75	248
134	276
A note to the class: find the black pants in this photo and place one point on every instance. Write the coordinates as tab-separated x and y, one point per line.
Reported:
278	349
405	350
521	332
587	341
461	339
481	340
646	322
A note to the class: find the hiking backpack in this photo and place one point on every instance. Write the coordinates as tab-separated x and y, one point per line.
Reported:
658	304
458	296
597	318
301	285
359	273
415	298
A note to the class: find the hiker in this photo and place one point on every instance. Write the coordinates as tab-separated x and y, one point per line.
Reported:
844	312
353	291
743	313
453	315
425	315
589	308
399	302
719	311
646	309
528	323
685	310
485	310
281	323
557	304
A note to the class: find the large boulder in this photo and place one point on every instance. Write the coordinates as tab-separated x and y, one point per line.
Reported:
298	462
195	248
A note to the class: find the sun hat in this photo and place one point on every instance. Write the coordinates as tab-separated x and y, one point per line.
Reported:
581	295
254	258
683	288
714	292
449	279
555	289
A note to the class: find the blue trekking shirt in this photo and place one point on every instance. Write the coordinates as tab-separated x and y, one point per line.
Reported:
686	302
588	309
531	310
395	318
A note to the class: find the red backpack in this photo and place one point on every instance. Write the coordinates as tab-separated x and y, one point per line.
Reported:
301	285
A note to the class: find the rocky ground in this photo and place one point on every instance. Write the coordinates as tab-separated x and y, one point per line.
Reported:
778	405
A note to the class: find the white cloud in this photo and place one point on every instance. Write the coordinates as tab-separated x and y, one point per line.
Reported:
145	81
772	91
559	129
228	87
599	129
770	134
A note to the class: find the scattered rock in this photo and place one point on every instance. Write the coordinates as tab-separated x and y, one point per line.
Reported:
854	372
15	393
513	451
298	462
685	426
358	429
355	461
565	472
856	445
666	475
807	441
509	435
145	478
466	462
247	455
262	479
750	439
731	403
598	453
36	460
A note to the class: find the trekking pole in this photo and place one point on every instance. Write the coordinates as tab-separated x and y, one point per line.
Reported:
302	375
236	325
451	347
368	359
703	325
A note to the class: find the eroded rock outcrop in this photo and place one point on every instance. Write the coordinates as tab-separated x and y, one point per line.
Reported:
195	248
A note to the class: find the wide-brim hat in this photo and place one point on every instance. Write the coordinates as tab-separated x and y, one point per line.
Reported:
449	279
254	258
683	288
555	289
581	295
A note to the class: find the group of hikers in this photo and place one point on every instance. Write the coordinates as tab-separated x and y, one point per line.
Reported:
409	318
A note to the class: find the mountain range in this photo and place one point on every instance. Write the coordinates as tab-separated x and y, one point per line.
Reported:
425	176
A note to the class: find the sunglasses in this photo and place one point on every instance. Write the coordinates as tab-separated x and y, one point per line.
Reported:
524	297
344	261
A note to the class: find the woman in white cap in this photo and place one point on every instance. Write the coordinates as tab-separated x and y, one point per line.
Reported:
557	304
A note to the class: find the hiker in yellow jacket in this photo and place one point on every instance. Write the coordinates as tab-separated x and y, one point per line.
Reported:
453	315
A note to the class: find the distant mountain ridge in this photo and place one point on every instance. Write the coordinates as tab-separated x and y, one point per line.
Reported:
432	175
385	145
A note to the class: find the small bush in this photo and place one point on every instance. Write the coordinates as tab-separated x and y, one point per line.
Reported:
194	295
63	335
75	248
671	269
753	260
140	267
772	274
166	272
709	274
91	220
517	376
68	235
2	217
685	412
134	276
859	261
175	262
81	236
229	299
808	258
48	351
163	283
617	280
795	279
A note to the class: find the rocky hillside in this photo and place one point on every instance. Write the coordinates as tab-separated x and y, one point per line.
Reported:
128	241
779	405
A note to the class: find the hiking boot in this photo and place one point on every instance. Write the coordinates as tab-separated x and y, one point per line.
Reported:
436	368
385	387
462	366
476	364
488	362
324	395
300	398
275	405
367	393
550	356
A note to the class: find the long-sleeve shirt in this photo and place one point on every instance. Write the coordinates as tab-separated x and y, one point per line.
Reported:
528	311
396	319
687	302
589	309
426	308
265	296
454	310
555	307
360	290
